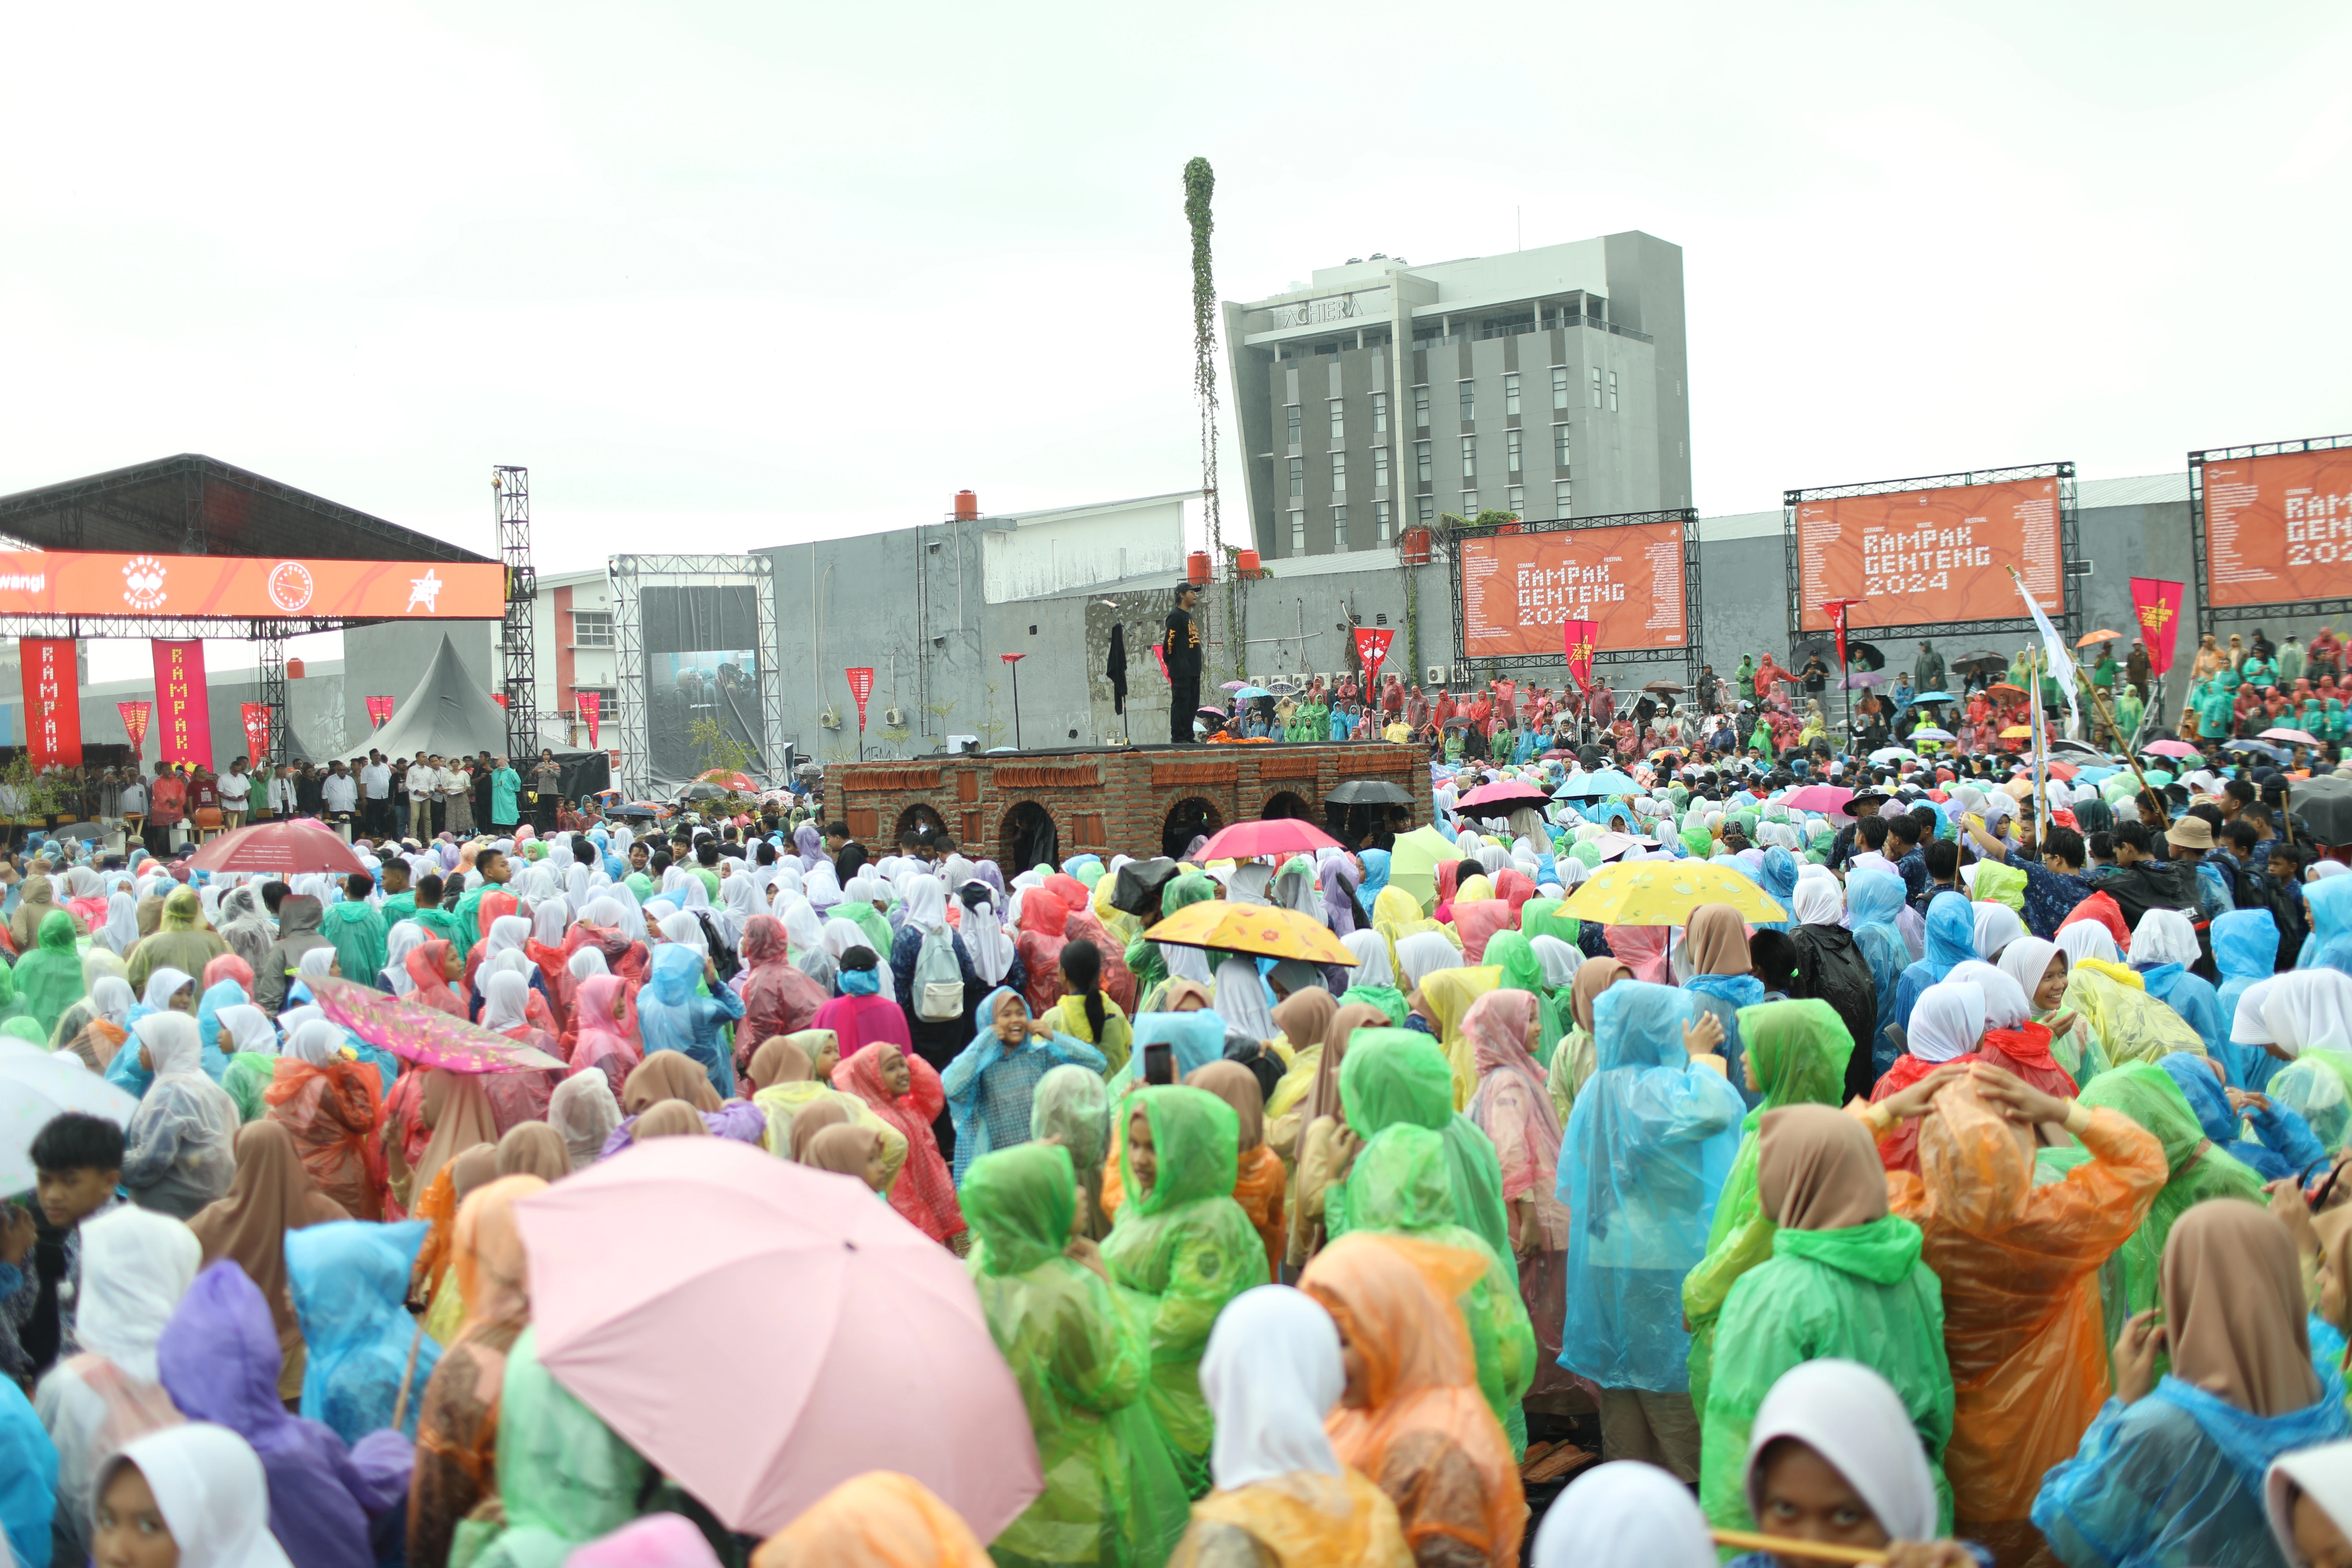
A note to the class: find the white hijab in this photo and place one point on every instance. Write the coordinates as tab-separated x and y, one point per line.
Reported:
209	1486
587	962
1948	1021
1818	901
1997	927
404	938
249	1028
2006	1003
1560	961
507	933
2163	936
1625	1514
120	932
583	1109
2325	1476
984	942
740	897
316	1042
165	984
506	1001
1372	965
2302	1010
1422	955
1851	1417
2088	939
1271	1374
136	1264
926	904
2026	961
549	920
111	998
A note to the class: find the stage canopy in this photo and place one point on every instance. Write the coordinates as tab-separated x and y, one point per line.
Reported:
447	715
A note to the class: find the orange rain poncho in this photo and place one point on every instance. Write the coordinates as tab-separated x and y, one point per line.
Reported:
1426	1434
878	1520
2022	1322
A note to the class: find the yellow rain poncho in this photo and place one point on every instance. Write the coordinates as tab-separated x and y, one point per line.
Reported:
1447	995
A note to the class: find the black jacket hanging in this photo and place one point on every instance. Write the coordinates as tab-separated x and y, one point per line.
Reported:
1117	669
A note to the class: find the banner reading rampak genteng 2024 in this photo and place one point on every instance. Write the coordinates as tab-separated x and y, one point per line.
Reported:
2156	604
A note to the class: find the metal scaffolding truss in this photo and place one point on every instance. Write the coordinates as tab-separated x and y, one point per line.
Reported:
1691	654
2209	615
271	637
2071	568
511	486
627	576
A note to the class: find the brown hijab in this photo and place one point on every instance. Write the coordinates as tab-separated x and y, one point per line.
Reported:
1237	1087
2233	1312
1593	976
778	1060
472	1171
1716	941
1816	1169
667	1075
1323	1100
458	1109
844	1148
271	1193
1305	1015
812	1119
670	1119
534	1149
1178	991
493	1272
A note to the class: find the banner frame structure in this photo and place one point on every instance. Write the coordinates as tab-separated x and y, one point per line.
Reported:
2210	615
626	576
1690	655
2071	565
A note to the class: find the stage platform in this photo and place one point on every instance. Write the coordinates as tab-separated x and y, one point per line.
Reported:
1019	808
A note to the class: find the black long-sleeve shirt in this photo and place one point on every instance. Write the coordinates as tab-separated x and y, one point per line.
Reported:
1180	643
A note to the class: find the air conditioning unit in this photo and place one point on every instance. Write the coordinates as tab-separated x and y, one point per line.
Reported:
1437	676
829	718
895	718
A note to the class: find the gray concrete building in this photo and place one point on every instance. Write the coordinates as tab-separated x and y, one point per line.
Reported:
1550	382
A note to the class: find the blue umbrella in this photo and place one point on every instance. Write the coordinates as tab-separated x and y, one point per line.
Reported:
1607	781
1932	697
2274	754
1247	692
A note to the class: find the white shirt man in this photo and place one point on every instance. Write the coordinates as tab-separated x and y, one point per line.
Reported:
235	788
281	793
375	779
340	792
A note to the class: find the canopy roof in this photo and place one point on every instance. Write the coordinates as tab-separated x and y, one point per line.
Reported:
446	715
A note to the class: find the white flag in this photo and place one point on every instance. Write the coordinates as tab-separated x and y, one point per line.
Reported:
2062	661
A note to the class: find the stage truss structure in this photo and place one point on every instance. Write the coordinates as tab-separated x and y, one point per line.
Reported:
627	576
511	486
2072	568
1691	654
2210	615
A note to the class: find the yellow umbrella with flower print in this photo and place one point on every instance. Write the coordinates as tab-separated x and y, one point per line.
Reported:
1664	892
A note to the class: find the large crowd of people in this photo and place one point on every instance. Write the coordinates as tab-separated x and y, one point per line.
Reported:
1796	1145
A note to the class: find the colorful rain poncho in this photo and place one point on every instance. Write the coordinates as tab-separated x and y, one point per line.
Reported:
672	1016
1873	900
1112	1495
2147	1094
1951	939
2287	1146
349	1279
1395	1076
990	1085
1185	1249
564	1479
1649	1144
48	980
2245	951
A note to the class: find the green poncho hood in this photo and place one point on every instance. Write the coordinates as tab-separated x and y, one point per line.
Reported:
1196	1144
1883	1251
1021	1202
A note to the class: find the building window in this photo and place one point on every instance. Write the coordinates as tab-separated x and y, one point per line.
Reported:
1511	393
1612	392
1380	413
1469	402
1290	415
1516	500
1298	533
1559	386
1469	457
1511	449
1297	476
1424	510
1420	461
1561	503
1338	528
1380	520
1380	468
1596	386
1559	444
591	628
1339	473
1421	407
1339	421
1469	506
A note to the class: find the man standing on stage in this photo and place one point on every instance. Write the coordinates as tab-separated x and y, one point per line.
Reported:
1179	644
375	791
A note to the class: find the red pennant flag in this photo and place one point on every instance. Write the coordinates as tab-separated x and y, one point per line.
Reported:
1581	638
592	706
1373	651
2157	603
257	729
1836	609
134	723
379	710
861	687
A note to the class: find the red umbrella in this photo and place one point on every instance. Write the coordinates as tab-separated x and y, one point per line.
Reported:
283	849
425	1036
1276	835
728	780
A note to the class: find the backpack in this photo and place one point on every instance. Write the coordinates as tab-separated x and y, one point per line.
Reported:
939	979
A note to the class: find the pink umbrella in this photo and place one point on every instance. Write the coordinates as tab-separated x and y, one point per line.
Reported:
1276	835
1820	797
283	847
888	1365
2297	737
1507	791
425	1036
2170	749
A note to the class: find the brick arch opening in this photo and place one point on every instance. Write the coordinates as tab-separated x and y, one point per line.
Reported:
1190	817
917	818
1288	803
1026	837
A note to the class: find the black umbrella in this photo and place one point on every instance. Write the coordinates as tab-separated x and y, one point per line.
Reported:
1370	791
646	812
1864	656
701	792
1141	882
1664	686
2321	808
1982	660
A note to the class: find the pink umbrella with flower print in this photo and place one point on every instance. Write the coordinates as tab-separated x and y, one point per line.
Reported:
425	1036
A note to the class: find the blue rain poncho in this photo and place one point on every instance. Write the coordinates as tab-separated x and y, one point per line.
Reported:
2329	945
349	1279
991	1086
2288	1147
223	994
2191	996
671	1017
1198	1038
2245	950
1777	876
1874	899
2317	1089
1650	1141
1951	939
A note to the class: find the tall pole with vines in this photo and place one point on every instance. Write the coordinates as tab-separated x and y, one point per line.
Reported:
1200	185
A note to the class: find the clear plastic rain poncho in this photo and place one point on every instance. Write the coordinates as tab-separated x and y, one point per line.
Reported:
1650	1143
1873	902
1399	1183
564	1479
1799	1051
1185	1248
2146	1093
349	1279
1392	1077
2131	1025
177	1151
1112	1494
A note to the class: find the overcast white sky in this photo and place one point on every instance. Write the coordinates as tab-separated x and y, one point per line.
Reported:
732	275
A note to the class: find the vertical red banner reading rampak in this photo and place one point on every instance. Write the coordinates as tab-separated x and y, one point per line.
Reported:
52	701
1578	638
183	708
134	724
2157	605
257	730
861	687
591	708
1371	652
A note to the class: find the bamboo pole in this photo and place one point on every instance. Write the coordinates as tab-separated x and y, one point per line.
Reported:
1803	1551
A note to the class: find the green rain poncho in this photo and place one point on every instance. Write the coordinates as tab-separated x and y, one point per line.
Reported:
1184	1248
1394	1075
2146	1093
1522	971
48	978
1398	1183
356	931
564	1479
1143	960
247	1079
1799	1057
1541	917
1112	1495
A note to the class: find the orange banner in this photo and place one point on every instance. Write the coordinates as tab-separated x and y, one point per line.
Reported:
1920	556
68	583
1520	589
2279	528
